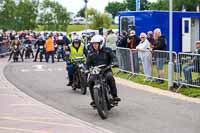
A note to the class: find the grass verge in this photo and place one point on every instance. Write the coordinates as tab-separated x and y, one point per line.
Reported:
71	28
191	92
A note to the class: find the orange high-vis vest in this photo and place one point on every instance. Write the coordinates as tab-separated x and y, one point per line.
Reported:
49	45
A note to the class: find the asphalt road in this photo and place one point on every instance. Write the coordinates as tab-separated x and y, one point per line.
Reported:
139	111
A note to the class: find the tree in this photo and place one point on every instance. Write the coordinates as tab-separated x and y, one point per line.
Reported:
131	5
114	7
190	5
91	11
7	15
81	13
160	5
26	15
46	16
54	15
145	5
99	19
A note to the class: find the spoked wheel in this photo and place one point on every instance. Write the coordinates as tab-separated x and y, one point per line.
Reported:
41	57
83	86
58	57
83	89
101	104
74	86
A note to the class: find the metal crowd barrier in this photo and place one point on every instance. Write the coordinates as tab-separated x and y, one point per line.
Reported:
123	57
146	63
189	69
4	49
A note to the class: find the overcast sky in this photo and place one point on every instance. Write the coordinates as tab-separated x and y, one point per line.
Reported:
76	5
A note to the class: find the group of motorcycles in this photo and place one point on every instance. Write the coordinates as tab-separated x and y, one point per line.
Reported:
102	94
27	49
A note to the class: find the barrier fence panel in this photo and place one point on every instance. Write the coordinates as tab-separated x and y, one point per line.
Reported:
4	49
160	61
124	59
189	69
151	64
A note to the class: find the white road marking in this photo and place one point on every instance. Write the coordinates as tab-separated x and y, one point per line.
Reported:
49	69
60	69
41	122
25	70
22	130
39	68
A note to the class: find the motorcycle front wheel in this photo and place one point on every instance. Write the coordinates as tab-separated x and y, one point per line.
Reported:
83	83
101	103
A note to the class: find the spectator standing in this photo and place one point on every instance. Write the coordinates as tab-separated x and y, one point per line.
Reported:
150	38
160	44
146	56
133	42
111	41
122	40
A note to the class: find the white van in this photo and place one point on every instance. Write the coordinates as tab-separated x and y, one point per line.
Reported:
79	20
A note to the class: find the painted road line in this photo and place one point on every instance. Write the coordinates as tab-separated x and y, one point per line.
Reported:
49	69
31	117
25	70
41	122
22	130
60	69
25	104
13	95
39	68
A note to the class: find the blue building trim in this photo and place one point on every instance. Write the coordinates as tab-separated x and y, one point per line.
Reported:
149	20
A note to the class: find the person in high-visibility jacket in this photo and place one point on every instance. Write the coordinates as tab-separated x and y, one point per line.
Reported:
76	50
69	37
49	45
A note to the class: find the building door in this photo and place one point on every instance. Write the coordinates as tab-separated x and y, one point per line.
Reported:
127	23
186	35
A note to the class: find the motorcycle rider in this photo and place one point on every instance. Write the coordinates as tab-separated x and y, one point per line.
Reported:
28	42
16	42
40	42
99	56
61	44
76	50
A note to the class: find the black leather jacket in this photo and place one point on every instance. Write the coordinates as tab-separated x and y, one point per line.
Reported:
105	56
160	44
40	43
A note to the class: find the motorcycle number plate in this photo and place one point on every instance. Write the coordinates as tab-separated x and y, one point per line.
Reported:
41	47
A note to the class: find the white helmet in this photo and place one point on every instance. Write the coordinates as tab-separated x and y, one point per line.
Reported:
60	38
16	36
76	39
98	39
